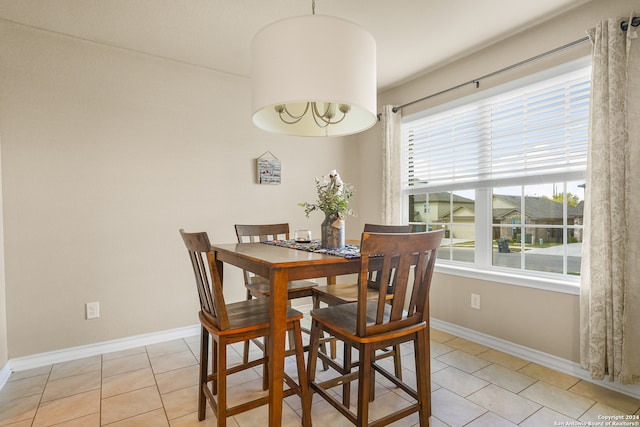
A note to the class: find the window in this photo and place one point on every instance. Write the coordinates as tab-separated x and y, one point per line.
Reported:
504	177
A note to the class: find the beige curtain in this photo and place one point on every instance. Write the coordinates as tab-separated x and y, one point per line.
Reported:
610	288
391	166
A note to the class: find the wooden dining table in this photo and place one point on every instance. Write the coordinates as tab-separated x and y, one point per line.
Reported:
280	265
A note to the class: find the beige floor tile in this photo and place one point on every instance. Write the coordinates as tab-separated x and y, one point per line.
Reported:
490	419
440	336
467	346
558	399
259	417
504	403
124	364
126	382
130	404
547	417
392	402
180	402
92	420
69	386
75	367
157	386
458	381
626	404
505	378
437	365
597	411
28	373
26	423
438	349
168	347
435	422
123	353
549	376
453	409
503	359
23	388
67	408
20	409
245	392
191	420
463	361
172	361
178	378
156	418
244	376
382	388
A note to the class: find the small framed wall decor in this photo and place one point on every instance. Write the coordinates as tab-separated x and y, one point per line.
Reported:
268	169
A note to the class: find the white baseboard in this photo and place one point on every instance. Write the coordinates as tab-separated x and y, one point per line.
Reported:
73	353
545	359
5	373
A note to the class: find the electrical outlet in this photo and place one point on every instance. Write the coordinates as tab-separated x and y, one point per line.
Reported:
475	301
92	310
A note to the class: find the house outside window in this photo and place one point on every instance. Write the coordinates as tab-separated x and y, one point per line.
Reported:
503	175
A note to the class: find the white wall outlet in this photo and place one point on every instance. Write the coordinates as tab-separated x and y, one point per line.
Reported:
92	310
475	301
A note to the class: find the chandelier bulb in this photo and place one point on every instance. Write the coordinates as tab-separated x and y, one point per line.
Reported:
344	108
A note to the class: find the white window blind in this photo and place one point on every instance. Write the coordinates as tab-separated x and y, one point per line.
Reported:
539	129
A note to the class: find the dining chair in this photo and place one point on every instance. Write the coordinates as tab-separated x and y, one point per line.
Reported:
259	287
231	323
408	260
343	293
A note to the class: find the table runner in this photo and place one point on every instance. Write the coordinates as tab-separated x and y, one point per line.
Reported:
349	251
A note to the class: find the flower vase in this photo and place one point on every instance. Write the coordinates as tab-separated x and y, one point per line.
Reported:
333	230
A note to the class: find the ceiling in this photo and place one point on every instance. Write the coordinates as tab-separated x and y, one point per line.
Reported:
412	36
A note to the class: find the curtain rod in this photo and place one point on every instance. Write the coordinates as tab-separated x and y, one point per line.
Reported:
476	81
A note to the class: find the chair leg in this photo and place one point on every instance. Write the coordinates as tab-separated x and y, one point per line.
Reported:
245	351
346	368
423	376
372	383
364	386
265	366
314	342
397	361
214	367
323	350
222	381
332	344
204	371
305	394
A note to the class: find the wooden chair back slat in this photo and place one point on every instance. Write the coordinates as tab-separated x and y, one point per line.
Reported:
397	257
374	277
261	232
205	269
255	233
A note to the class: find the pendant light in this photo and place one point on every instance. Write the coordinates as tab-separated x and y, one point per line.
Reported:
314	75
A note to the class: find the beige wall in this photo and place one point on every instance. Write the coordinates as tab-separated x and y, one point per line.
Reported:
4	350
105	155
542	320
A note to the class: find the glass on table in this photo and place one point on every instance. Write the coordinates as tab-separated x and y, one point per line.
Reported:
302	236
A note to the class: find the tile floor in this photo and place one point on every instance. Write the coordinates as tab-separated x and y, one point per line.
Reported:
156	385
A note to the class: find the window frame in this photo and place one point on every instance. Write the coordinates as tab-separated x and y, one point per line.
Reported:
482	268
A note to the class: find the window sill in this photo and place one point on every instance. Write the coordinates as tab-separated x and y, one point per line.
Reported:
529	280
